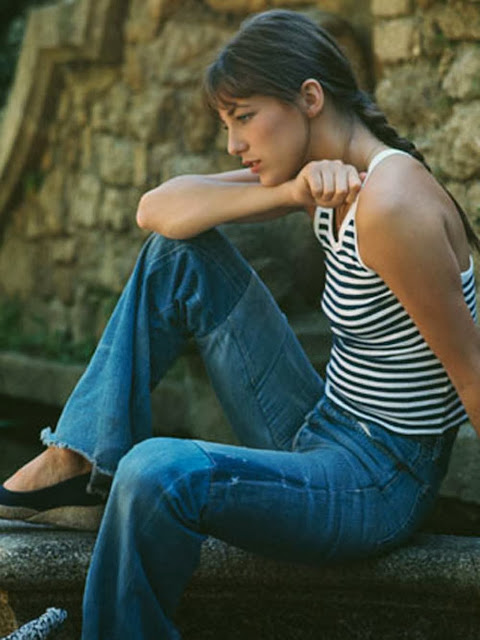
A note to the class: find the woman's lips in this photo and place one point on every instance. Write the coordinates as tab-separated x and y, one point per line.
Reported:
253	165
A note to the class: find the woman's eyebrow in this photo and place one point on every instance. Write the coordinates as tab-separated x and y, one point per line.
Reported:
231	110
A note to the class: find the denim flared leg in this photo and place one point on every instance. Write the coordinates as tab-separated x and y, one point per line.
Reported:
203	288
345	490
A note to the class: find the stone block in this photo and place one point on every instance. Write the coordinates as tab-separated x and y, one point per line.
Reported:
411	96
37	379
117	257
456	20
463	78
64	250
159	156
238	6
52	200
463	479
425	4
473	199
115	159
140	165
110	110
185	48
17	267
134	69
391	8
84	200
456	146
179	164
199	124
151	113
118	208
397	40
33	218
63	283
145	18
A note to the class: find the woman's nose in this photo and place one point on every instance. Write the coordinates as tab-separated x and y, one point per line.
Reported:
236	145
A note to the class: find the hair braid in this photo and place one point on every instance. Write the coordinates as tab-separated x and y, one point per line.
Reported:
370	114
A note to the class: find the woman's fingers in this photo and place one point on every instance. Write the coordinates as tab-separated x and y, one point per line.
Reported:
328	183
354	184
333	183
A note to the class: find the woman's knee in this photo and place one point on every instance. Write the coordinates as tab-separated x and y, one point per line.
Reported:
164	469
157	244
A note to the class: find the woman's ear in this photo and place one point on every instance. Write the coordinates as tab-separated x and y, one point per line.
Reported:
312	97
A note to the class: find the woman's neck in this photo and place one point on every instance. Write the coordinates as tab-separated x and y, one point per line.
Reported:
336	136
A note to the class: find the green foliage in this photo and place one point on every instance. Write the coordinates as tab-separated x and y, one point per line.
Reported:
39	342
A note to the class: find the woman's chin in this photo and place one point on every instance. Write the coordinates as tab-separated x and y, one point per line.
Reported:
267	180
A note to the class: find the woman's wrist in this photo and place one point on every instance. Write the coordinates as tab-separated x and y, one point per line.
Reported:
286	195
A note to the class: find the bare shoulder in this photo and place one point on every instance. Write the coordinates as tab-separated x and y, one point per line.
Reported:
399	184
402	208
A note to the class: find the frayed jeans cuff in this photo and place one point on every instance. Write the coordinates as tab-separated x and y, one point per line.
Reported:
100	478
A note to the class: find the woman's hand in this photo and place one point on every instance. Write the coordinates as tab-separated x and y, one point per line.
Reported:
326	183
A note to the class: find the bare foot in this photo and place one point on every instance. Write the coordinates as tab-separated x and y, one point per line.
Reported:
53	465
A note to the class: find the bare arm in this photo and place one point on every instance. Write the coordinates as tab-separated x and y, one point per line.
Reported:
187	205
406	238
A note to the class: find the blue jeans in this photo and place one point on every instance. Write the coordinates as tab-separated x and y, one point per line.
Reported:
312	484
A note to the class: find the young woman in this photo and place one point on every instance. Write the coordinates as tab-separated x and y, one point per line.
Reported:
329	470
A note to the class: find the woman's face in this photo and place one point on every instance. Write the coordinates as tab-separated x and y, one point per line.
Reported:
271	137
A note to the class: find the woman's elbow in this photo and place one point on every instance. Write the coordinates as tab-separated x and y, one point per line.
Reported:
148	218
144	216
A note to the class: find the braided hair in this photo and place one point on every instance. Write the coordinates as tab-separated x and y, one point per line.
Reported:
281	39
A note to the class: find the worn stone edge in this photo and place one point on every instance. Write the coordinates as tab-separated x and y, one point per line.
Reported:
429	565
54	35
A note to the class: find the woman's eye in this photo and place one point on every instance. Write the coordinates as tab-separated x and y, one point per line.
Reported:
245	117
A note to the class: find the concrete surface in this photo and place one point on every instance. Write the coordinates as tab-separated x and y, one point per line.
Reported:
428	590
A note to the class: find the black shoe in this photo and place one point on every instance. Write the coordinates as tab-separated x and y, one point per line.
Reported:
65	504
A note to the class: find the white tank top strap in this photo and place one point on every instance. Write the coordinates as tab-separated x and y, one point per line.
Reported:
382	155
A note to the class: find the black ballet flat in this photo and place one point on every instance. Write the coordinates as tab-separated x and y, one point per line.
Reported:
65	504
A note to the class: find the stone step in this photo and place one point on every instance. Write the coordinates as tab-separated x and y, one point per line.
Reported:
428	590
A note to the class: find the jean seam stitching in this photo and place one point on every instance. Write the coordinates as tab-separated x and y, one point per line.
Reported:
254	387
203	336
210	256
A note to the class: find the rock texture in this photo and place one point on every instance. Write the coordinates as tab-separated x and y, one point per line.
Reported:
427	590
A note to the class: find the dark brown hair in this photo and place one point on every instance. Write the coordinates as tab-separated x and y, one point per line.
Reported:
274	52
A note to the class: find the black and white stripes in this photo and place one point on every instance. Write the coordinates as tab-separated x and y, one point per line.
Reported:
380	367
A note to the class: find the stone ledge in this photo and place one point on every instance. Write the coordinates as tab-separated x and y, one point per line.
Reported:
235	594
84	30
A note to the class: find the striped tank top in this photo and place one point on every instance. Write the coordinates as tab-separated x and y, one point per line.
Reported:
380	368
